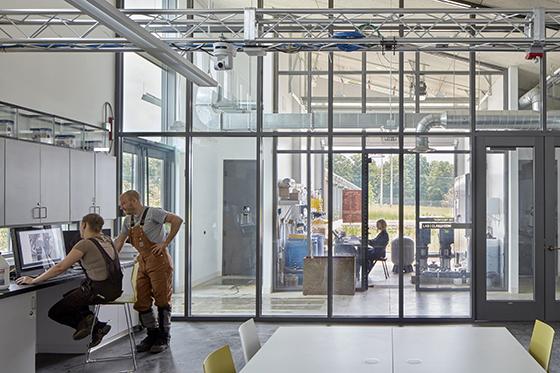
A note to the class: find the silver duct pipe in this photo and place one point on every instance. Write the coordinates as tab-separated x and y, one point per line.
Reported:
487	120
531	99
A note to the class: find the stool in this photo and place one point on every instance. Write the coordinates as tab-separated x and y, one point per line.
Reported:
384	265
125	301
130	332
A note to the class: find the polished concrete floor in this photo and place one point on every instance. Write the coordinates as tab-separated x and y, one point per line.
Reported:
236	296
192	341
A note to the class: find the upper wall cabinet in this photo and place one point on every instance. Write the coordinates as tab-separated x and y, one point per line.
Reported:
23	182
106	185
2	179
55	184
82	184
37	183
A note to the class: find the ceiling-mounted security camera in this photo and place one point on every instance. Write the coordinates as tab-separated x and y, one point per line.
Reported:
224	53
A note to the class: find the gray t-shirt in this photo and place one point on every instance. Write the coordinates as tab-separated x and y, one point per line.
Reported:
153	225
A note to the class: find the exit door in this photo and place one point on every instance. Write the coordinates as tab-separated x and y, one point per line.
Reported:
517	228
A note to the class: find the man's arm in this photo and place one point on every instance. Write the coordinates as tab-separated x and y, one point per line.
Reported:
72	257
176	222
119	241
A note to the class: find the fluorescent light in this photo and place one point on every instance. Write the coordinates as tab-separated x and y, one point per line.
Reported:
455	3
156	50
148	97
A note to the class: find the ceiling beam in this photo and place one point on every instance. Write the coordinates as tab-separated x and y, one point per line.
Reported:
155	50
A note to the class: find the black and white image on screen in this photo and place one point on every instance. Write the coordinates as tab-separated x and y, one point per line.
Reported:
43	246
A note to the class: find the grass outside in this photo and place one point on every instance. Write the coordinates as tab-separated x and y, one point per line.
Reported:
388	212
391	214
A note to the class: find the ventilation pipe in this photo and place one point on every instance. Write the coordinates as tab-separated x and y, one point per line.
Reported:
532	98
487	120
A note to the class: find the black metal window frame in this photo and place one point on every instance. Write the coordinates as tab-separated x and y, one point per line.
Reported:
189	134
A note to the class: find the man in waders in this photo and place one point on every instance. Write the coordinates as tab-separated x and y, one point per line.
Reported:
103	282
144	227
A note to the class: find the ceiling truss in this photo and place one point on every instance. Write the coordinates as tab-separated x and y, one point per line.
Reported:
288	30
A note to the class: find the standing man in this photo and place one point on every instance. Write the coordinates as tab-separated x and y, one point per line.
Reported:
144	226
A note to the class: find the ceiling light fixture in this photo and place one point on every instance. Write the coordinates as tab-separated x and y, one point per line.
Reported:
455	3
155	50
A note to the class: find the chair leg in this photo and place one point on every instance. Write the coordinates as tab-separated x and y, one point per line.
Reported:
385	270
95	314
128	316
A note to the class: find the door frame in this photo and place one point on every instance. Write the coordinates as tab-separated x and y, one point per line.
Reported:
510	310
552	231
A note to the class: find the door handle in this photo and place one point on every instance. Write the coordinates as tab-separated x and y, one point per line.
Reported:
36	216
552	248
46	212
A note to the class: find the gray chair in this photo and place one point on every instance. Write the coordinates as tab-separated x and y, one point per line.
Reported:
250	343
408	255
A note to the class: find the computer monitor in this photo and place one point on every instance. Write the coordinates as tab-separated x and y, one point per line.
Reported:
72	237
37	247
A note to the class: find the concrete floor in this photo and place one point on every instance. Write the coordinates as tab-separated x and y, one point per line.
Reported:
231	296
192	341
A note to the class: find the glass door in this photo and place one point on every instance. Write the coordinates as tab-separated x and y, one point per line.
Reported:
510	228
552	221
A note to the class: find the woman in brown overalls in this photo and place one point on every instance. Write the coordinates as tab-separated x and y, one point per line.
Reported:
155	269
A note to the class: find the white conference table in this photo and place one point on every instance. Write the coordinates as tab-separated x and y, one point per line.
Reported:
414	349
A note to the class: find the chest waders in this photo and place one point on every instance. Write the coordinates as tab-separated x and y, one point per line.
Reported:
154	283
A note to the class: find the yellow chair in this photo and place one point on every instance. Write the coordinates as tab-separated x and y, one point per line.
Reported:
540	346
219	361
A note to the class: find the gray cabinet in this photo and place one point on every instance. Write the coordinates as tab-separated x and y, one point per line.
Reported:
82	184
55	184
19	333
106	185
50	184
2	179
23	182
37	183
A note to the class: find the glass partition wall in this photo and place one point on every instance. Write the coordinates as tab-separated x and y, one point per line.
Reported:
343	185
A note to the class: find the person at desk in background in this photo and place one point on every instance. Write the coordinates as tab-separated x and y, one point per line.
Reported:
100	261
144	226
378	245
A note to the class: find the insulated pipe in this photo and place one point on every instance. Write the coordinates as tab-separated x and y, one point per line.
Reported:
488	120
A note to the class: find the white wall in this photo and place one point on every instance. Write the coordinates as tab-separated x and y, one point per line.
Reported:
207	200
72	85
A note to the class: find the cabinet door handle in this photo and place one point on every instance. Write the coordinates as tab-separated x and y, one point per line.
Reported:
46	212
34	214
98	210
92	209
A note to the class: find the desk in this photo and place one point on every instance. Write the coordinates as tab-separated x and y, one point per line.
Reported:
313	349
357	349
28	330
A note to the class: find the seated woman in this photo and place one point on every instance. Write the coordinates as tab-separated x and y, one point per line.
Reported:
378	244
103	282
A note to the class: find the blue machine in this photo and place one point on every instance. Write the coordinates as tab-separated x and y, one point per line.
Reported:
296	251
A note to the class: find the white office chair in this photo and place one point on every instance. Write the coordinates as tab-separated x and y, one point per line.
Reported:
124	300
250	343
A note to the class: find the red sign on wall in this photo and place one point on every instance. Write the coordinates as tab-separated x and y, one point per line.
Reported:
351	206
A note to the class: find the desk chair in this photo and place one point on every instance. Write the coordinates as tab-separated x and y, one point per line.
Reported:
250	343
384	264
540	346
219	361
125	300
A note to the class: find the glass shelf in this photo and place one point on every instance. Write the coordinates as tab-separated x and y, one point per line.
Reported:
32	125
